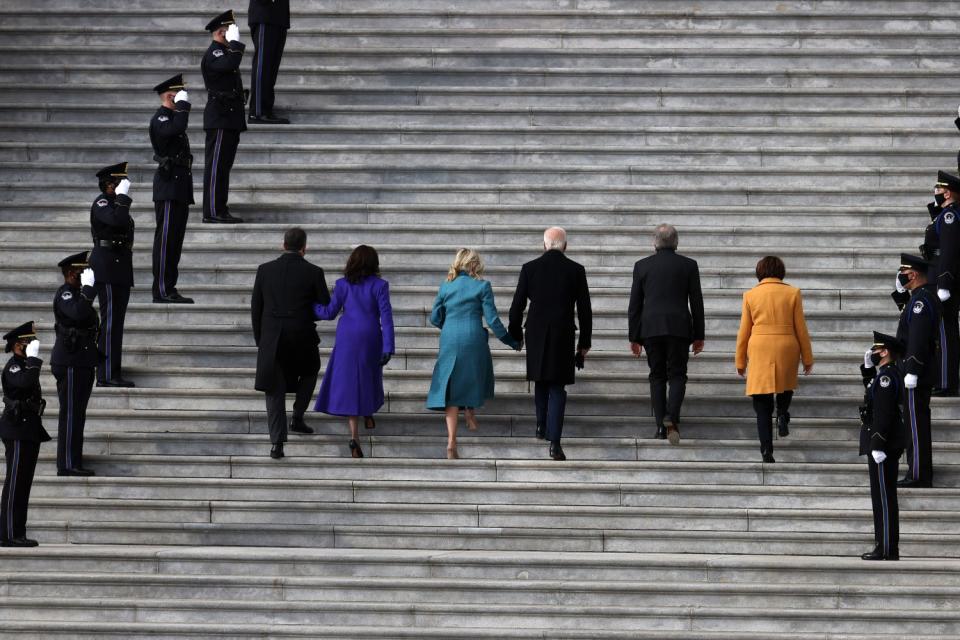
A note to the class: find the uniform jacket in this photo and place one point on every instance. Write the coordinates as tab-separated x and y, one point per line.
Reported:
269	12
173	179
110	220
281	310
77	323
920	329
942	240
773	337
886	431
221	76
556	287
666	299
21	382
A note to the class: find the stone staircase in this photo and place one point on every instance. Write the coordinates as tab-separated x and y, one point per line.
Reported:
809	129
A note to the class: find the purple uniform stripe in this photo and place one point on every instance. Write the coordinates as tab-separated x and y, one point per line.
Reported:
163	248
213	174
262	28
13	488
883	510
69	443
915	462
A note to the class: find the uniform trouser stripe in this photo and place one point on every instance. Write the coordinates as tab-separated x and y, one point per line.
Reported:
914	433
944	376
163	249
109	340
13	488
884	510
70	409
259	54
213	174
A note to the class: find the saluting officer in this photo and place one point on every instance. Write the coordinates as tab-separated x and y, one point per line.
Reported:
941	247
269	21
882	438
223	117
112	263
74	359
22	432
172	186
919	332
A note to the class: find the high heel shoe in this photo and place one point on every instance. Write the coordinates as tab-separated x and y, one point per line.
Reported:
355	450
369	422
453	454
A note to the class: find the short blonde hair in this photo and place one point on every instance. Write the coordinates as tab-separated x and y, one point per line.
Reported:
466	260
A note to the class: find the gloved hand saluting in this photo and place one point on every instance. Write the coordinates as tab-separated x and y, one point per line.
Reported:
181	96
124	187
899	285
910	381
867	363
878	456
943	294
233	33
958	112
87	279
33	349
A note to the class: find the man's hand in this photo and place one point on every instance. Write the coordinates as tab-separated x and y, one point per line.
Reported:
33	349
878	456
181	96
898	284
697	347
636	348
910	381
87	278
233	33
867	362
124	187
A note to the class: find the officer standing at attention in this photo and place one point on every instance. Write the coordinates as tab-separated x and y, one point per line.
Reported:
882	437
74	359
172	186
223	117
918	331
269	21
112	263
22	432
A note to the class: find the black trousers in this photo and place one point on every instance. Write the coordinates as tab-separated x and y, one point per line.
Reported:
763	405
277	407
667	357
74	385
167	245
551	402
219	154
21	463
113	312
949	374
268	42
883	493
916	412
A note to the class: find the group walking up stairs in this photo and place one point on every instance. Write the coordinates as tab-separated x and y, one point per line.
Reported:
807	129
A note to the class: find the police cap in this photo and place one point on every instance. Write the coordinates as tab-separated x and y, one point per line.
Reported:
884	341
173	84
76	261
949	181
20	333
223	20
118	170
913	263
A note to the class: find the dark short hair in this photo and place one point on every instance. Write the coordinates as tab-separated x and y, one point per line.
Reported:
363	262
294	239
771	267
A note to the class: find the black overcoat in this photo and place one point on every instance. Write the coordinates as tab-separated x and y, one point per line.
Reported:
665	299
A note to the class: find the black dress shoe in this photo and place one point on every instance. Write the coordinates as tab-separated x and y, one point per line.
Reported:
115	382
783	430
876	554
267	118
277	451
19	542
224	219
945	393
297	425
173	298
556	451
910	483
541	432
78	471
768	456
661	432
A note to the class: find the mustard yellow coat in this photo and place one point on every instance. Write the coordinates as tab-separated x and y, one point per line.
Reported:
773	337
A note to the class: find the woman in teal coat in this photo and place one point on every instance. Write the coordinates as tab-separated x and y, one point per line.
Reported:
463	373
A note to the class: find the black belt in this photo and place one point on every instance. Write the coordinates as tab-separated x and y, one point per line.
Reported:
114	244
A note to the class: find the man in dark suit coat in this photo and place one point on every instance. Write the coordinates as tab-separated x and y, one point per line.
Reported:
554	284
665	317
284	293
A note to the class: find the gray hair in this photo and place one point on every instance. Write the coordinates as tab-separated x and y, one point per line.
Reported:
665	237
555	238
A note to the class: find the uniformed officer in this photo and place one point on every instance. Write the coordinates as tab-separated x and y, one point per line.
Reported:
22	432
941	246
112	263
269	21
172	186
919	332
74	359
223	117
882	438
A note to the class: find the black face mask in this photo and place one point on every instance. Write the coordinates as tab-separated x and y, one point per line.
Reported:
903	279
875	358
939	198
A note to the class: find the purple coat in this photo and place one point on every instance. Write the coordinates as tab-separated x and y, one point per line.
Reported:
353	382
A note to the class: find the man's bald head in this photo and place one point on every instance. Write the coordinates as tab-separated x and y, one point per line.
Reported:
555	238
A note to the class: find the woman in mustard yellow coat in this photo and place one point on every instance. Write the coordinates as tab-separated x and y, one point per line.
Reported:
772	342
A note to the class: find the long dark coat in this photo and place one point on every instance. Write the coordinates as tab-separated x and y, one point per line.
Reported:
554	284
281	310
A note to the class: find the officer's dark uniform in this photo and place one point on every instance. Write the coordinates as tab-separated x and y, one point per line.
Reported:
882	429
223	120
22	432
269	21
172	190
112	264
918	330
74	362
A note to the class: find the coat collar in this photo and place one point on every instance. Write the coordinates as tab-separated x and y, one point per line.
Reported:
771	281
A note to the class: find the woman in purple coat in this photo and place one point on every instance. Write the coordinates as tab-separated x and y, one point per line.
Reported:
353	382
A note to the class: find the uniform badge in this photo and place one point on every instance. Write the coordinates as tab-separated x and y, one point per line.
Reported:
884	381
15	368
102	202
918	308
66	295
162	118
949	217
217	53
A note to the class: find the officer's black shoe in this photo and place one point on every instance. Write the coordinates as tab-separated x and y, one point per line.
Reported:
556	451
767	456
782	429
19	542
541	432
267	118
661	433
297	425
173	298
910	483
224	219
276	452
115	382
946	393
78	471
876	554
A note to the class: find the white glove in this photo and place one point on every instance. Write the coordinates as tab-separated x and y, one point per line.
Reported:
181	96
910	381
900	287
87	279
33	349
233	33
124	187
943	294
958	111
867	363
878	456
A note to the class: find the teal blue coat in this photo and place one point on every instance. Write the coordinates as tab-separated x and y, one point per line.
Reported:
463	373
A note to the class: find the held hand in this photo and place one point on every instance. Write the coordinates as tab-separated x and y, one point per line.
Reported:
87	279
807	369
943	294
33	349
124	187
910	381
900	287
584	352
697	347
233	33
181	96
636	348
867	362
385	358
878	456
741	372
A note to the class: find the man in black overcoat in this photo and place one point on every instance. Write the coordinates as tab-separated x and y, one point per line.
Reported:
288	360
665	317
556	287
